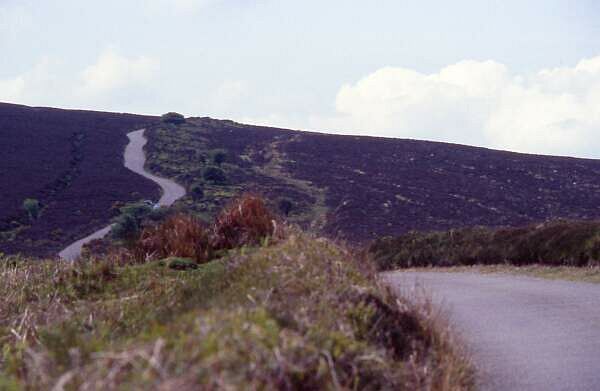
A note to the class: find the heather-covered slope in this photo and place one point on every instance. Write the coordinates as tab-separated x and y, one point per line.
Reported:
72	162
360	188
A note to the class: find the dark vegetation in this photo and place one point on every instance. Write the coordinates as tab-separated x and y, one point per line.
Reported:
172	118
71	162
276	311
558	243
354	188
362	188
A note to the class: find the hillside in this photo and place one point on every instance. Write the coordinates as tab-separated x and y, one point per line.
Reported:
355	188
71	162
360	188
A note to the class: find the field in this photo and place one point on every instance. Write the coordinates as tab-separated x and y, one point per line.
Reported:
72	163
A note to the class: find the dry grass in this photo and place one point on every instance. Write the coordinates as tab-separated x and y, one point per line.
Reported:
246	221
179	236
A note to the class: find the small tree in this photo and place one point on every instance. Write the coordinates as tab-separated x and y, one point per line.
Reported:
197	191
32	206
215	175
219	156
127	226
285	206
173	118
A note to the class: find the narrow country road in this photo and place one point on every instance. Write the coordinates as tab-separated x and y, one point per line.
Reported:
524	333
134	160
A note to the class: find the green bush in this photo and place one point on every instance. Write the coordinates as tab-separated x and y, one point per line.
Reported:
285	206
219	156
197	191
32	206
127	226
215	175
566	243
173	118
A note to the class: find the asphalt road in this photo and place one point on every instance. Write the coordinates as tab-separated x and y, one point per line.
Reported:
523	333
134	160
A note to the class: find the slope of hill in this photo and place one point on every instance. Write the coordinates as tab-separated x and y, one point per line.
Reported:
360	188
71	162
356	188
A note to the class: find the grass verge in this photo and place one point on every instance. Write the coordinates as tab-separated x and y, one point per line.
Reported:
568	273
300	314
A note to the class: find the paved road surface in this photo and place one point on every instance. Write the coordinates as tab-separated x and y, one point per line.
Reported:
134	160
524	333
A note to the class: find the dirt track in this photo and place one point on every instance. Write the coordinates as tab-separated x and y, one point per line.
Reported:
524	333
134	160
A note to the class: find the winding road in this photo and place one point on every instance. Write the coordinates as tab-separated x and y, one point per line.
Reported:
135	159
523	333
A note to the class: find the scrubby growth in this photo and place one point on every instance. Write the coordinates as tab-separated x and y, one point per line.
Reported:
128	225
32	207
566	243
180	235
245	221
214	175
299	314
218	156
173	118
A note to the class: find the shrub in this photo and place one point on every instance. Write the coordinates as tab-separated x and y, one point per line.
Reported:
173	118
285	206
214	175
246	221
32	206
568	243
179	236
127	226
219	156
197	191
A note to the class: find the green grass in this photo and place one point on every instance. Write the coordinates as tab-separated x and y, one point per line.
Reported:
300	314
569	273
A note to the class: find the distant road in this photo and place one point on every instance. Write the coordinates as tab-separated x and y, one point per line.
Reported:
134	160
524	333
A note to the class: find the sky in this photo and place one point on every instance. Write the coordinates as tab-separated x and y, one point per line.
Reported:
517	75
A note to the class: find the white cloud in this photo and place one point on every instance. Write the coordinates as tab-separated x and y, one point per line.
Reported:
11	90
113	71
554	111
34	86
181	6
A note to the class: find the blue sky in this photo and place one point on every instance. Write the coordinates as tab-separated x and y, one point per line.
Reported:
518	75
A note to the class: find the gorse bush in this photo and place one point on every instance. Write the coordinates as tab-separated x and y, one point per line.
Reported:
568	243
